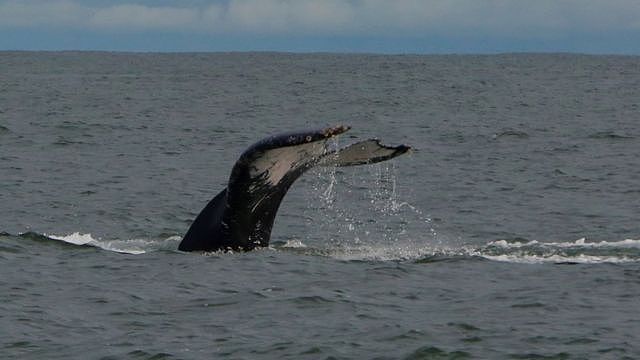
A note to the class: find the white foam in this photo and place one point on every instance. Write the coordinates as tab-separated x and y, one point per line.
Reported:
585	252
76	238
627	243
128	246
294	244
540	259
386	253
512	252
552	252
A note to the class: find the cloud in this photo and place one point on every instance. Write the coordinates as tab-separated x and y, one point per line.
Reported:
279	16
51	13
329	17
143	17
76	15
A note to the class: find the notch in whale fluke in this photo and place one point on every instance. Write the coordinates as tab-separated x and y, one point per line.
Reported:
241	216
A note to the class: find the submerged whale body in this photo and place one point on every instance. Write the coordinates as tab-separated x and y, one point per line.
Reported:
241	216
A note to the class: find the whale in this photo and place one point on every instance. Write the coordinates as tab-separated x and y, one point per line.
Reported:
241	216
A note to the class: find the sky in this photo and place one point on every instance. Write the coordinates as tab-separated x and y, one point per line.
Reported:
348	26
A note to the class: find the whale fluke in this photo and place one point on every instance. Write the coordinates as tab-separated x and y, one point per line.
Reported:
241	216
365	152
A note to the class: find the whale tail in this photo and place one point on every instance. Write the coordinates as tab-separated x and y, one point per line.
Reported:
365	152
241	216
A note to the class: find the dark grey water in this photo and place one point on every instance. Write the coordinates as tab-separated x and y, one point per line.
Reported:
511	232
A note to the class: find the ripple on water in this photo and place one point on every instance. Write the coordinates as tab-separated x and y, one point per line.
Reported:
432	352
141	354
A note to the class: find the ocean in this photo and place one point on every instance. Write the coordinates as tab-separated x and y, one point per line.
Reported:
511	231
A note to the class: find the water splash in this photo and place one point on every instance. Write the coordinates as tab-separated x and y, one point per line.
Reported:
362	208
364	217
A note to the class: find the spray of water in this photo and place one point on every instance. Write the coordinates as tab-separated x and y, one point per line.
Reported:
362	215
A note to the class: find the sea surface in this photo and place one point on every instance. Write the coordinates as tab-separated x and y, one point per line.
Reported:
511	231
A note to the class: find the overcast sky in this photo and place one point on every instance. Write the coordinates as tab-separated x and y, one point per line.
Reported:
381	26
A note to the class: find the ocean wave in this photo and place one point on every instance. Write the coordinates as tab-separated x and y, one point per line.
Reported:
582	242
397	251
580	251
125	246
560	259
134	246
610	135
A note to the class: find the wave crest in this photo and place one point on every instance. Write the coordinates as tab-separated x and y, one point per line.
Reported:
579	251
128	246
